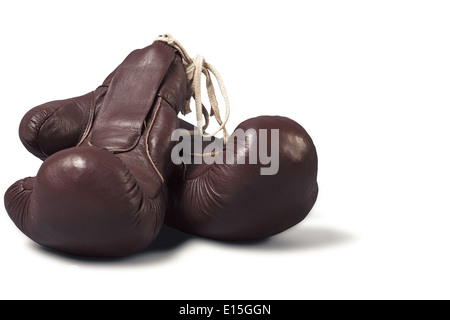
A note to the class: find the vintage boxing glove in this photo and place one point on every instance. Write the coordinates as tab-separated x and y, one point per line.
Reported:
236	200
101	190
237	191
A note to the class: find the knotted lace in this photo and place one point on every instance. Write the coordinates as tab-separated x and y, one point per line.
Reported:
194	69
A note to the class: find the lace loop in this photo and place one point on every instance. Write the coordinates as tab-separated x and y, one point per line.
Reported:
194	69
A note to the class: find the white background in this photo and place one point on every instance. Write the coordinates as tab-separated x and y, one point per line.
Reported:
370	82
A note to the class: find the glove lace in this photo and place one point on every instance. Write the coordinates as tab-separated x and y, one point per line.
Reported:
194	69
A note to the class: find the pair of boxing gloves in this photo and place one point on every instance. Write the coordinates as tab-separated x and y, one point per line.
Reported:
109	180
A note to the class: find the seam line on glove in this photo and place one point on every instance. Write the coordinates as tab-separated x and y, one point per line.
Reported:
158	106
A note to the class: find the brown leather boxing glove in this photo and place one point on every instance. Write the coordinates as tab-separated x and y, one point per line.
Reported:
242	199
236	191
101	190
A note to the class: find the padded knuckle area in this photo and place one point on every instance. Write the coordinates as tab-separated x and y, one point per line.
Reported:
89	203
17	200
90	171
55	125
295	145
62	130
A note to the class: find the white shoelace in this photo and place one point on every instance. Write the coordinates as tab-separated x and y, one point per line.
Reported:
194	69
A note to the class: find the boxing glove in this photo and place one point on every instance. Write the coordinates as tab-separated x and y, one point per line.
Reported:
101	190
236	198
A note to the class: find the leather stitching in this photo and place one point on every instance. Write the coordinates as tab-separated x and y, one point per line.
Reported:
158	107
91	120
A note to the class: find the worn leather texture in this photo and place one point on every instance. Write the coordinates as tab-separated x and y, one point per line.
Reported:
234	202
101	190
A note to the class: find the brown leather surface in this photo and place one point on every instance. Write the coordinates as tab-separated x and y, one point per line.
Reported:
56	125
102	192
86	200
234	202
134	85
